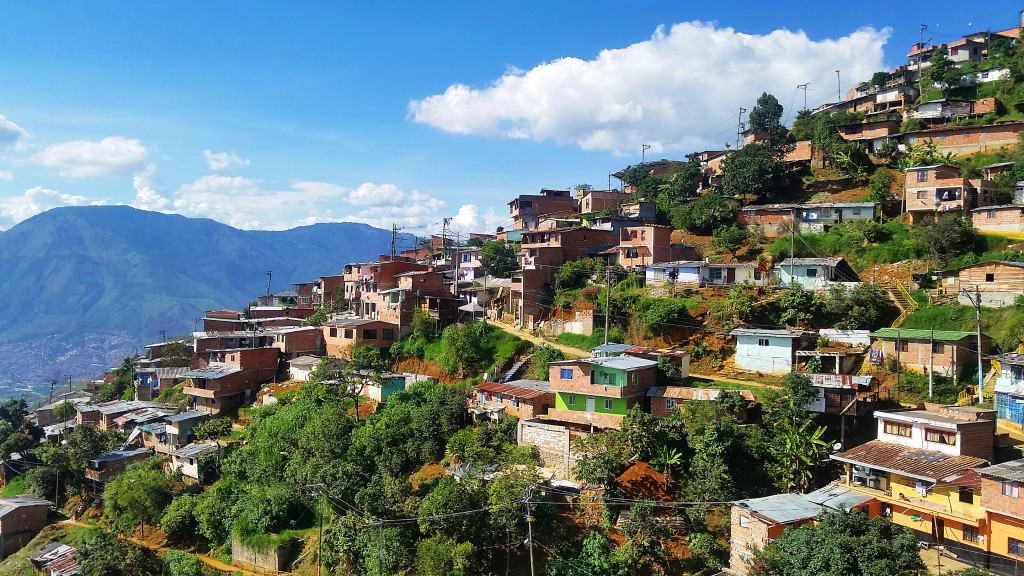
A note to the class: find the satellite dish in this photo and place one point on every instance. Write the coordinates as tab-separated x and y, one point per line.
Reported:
837	446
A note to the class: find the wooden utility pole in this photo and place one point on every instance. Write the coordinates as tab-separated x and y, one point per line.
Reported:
529	525
931	362
975	300
607	301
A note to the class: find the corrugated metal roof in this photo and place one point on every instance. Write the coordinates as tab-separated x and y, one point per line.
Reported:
810	262
191	414
1012	470
611	347
195	450
914	462
525	389
688	393
921	334
838	497
764	332
782	508
212	372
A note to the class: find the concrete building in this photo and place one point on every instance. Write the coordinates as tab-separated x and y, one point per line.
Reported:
949	352
599	391
21	518
765	351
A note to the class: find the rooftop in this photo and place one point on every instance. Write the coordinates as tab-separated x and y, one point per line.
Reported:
810	262
925	465
1012	470
614	362
191	414
921	334
213	371
195	450
782	508
688	393
611	347
525	389
765	332
119	455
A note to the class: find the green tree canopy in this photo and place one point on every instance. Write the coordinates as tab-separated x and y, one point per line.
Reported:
498	259
136	496
755	170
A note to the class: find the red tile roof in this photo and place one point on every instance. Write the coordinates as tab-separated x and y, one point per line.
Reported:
913	462
517	391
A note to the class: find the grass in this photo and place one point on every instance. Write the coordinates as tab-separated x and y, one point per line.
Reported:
914	388
18	564
847	240
15	487
1004	325
585	343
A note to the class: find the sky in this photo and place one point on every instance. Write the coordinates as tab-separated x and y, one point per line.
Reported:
269	115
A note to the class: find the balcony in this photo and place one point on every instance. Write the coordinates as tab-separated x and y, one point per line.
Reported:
199	392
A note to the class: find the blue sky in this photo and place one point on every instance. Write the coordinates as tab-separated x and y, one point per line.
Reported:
262	115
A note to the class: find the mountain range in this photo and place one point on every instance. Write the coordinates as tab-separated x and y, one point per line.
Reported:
81	287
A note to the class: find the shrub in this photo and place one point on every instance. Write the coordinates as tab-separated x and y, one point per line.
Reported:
179	517
729	237
541	357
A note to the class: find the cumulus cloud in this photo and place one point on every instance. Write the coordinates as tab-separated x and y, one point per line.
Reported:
36	200
470	219
675	91
148	191
84	158
11	133
6	175
224	160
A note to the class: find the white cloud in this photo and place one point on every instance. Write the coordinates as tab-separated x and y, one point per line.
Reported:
85	158
224	160
469	219
11	133
6	175
148	191
36	200
675	91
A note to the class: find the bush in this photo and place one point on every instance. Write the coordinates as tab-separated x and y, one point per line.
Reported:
213	429
539	362
183	564
729	237
705	214
179	519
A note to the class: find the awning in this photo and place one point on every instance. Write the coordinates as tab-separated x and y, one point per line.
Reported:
471	307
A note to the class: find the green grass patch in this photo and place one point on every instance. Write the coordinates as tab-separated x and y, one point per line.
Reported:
1004	325
914	388
15	487
708	383
894	243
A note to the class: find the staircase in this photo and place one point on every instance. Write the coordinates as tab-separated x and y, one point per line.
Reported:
516	370
903	300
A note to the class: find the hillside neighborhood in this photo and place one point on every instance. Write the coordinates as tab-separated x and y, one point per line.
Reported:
738	362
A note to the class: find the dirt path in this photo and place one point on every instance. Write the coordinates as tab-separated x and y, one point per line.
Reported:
208	560
572	352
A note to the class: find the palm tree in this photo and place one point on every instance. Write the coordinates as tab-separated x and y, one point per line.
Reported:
665	459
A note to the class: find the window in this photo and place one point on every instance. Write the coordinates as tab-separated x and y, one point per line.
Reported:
990	277
670	403
940	437
744	522
762	342
369	334
938	348
954	51
632	253
389	334
898	429
349	334
334	332
856	211
715	274
570	400
565	374
970	534
922	175
922	194
304	299
966	496
811	272
1015	547
990	214
1011	489
607	404
903	347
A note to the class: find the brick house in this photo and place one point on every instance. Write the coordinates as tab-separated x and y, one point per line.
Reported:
327	288
599	391
599	200
299	341
339	335
776	219
999	219
999	283
871	135
755	522
186	459
525	209
640	246
1000	489
365	281
223	321
21	518
523	399
230	378
105	414
104	467
665	401
949	351
969	139
204	342
933	190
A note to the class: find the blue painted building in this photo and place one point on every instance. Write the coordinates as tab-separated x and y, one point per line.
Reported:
765	351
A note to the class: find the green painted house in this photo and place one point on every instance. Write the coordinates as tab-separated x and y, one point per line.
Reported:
599	391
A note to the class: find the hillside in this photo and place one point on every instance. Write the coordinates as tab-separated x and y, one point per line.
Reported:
107	279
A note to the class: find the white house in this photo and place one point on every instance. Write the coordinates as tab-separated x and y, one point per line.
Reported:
703	273
765	351
729	273
680	272
187	459
815	273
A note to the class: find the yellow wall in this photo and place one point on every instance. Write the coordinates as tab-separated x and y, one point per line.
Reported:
1004	527
945	495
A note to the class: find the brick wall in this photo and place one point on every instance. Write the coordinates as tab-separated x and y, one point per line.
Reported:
746	533
970	139
553	444
978	440
916	356
1007	219
301	341
580	381
992	498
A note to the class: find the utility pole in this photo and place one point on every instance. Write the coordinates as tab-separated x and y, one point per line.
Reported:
380	547
529	524
931	361
739	127
163	336
394	238
804	88
270	277
792	242
839	88
52	384
320	537
456	265
607	301
643	153
975	300
899	344
920	61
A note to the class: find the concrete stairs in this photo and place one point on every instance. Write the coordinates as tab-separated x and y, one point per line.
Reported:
900	296
516	370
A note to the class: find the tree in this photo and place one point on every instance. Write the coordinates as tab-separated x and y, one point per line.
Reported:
104	554
841	543
705	214
880	186
213	429
183	564
179	519
755	170
796	306
64	411
448	497
121	383
766	117
798	452
498	260
177	354
136	496
463	348
665	460
948	237
439	555
943	71
594	558
543	355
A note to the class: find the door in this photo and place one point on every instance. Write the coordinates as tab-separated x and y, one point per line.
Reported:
730	275
940	530
590	403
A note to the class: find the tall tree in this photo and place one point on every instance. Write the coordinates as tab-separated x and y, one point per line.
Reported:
755	170
766	115
498	259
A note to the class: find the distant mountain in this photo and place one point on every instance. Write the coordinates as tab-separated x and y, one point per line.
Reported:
81	287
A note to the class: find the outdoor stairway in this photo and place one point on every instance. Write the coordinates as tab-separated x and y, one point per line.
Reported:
516	369
903	300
